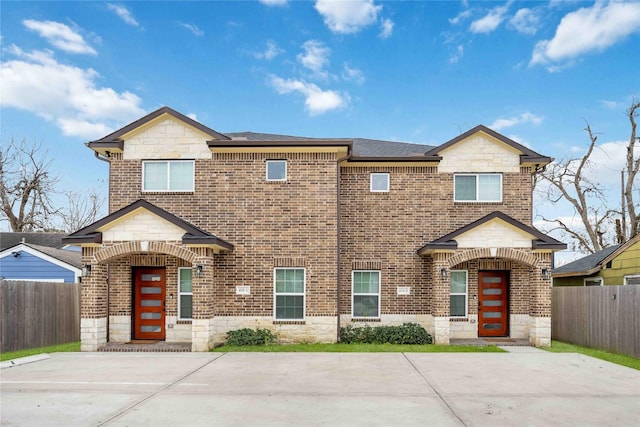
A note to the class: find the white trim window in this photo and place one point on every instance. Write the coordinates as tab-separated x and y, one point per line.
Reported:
458	297
365	295
379	183
594	281
478	187
168	175
276	170
185	293
633	279
289	293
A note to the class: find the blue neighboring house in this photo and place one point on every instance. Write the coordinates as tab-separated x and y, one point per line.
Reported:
27	261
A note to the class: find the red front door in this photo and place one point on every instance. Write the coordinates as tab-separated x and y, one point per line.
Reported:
148	321
493	316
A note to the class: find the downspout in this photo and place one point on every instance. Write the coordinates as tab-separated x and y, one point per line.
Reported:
338	242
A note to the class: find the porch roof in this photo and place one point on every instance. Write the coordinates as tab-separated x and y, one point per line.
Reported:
539	241
91	235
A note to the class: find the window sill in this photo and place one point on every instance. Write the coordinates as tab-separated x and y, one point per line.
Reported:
183	322
475	202
172	193
288	322
459	319
365	319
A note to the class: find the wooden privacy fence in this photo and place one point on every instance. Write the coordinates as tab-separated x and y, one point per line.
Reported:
38	314
604	317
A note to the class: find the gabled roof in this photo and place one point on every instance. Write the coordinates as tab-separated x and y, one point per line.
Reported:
526	156
448	242
71	258
115	136
593	263
52	240
193	235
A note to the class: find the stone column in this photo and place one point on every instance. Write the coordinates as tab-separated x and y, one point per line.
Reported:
93	307
440	299
202	325
540	309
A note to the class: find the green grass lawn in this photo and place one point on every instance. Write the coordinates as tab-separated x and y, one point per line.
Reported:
359	348
9	355
620	359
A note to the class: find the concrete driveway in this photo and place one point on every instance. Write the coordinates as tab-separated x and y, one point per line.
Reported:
526	387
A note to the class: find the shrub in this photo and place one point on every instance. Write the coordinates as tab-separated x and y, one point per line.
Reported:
407	333
248	336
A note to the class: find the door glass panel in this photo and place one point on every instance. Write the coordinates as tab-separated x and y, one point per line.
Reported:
150	303
150	328
150	315
492	315
492	280
488	326
492	303
148	290
150	277
492	292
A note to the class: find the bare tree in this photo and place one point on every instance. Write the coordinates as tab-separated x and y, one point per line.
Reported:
26	186
81	210
631	168
568	180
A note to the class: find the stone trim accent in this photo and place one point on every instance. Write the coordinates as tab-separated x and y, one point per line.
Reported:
508	253
118	250
93	333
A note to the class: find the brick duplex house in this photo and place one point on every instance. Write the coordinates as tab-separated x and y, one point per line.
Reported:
210	232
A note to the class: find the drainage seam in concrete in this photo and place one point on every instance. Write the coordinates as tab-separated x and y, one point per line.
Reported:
155	393
438	392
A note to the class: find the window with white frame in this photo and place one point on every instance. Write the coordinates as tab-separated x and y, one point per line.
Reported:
633	279
167	175
185	293
458	293
379	182
276	170
366	294
481	187
289	293
593	281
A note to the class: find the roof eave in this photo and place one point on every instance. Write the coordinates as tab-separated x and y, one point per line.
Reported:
395	159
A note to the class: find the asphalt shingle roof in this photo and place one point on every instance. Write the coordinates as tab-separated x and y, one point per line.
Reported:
362	147
52	240
587	263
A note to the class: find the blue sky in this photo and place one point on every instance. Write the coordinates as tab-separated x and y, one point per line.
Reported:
421	71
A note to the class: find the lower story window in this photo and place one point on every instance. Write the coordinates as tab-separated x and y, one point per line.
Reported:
458	294
632	280
593	281
366	294
289	293
185	295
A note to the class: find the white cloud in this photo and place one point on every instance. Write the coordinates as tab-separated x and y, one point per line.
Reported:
455	57
193	28
610	104
525	21
64	94
586	30
491	20
271	51
193	116
352	74
500	124
460	17
348	17
317	101
274	2
315	57
386	28
123	13
60	36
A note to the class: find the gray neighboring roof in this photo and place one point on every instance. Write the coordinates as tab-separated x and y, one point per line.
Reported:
586	264
72	258
52	240
362	147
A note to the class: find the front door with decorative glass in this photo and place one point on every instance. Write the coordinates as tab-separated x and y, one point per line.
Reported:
149	308
493	316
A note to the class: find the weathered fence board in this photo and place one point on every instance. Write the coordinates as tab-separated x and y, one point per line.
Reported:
605	317
38	314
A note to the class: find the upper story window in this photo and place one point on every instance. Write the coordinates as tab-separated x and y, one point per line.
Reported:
167	175
479	187
379	182
276	170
